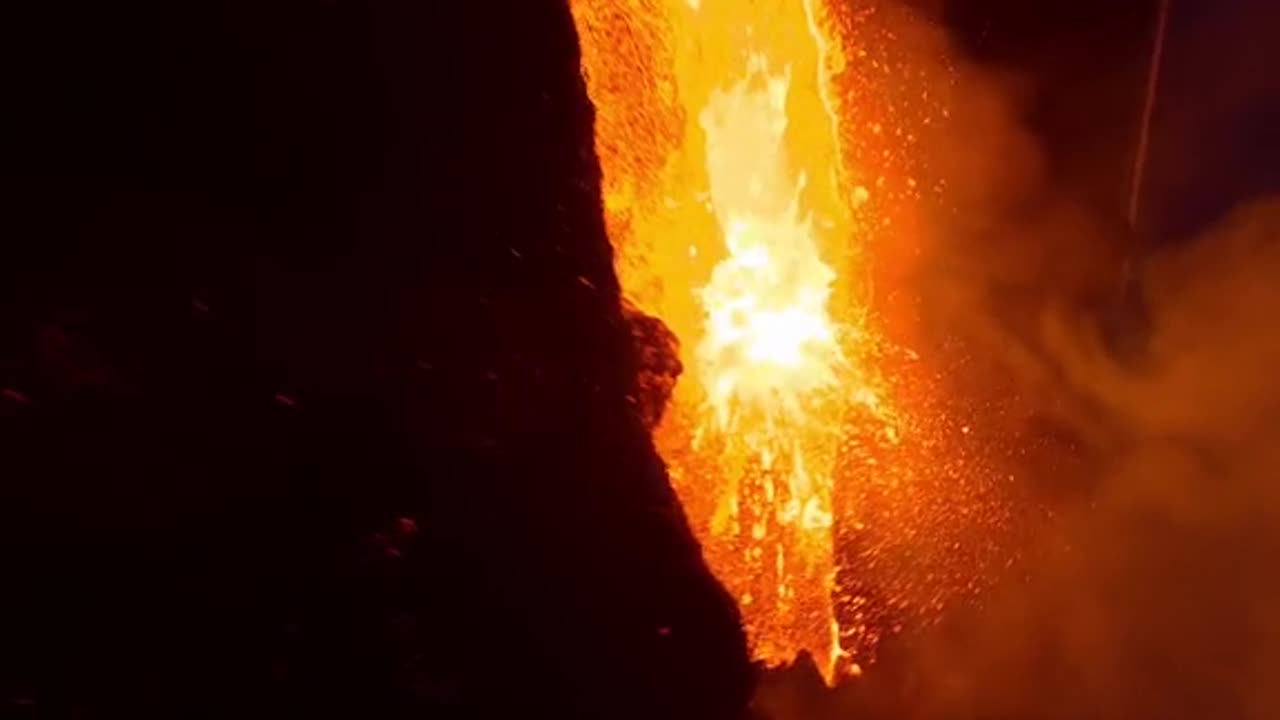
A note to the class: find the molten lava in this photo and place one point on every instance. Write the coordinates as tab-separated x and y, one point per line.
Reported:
736	220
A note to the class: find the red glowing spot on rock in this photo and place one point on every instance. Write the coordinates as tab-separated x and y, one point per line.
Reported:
407	525
15	396
664	631
285	400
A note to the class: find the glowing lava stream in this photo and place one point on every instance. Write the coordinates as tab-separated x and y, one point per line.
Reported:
726	205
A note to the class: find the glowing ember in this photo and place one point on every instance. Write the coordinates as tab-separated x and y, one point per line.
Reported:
736	222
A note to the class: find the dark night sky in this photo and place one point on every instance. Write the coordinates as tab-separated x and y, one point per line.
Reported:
1214	131
1218	128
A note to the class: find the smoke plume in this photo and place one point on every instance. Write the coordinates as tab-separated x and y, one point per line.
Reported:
1149	590
1146	584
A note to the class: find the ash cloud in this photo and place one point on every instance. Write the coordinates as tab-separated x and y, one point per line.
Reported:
1149	589
1147	585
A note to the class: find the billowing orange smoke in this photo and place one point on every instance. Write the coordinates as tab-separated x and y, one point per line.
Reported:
736	220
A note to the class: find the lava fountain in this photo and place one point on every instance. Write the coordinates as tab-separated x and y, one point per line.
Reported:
735	220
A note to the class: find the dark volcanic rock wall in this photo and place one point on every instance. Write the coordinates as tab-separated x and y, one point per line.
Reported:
315	379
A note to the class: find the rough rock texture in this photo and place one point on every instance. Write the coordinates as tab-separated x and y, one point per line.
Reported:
316	380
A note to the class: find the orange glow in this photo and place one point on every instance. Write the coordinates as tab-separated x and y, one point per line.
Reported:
742	199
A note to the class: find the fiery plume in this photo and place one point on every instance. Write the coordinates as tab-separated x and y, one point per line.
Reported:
737	219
